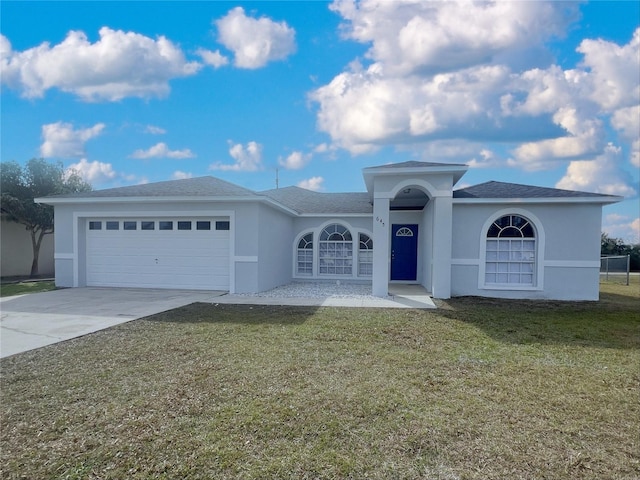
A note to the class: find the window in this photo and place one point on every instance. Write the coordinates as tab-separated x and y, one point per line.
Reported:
113	225
511	252
365	256
404	232
95	225
184	225
305	255
203	225
335	251
147	225
129	225
222	225
165	225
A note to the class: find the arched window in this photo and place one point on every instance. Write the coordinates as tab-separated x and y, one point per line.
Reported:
305	255
335	251
365	256
511	252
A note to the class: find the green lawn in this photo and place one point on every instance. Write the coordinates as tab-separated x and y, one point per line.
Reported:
20	288
478	389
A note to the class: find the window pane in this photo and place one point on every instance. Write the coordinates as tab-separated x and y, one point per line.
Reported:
223	226
203	225
147	225
129	225
184	225
113	225
165	225
95	225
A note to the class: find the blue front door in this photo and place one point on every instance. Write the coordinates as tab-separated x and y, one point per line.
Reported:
404	252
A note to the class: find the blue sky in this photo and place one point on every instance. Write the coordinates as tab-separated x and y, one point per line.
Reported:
527	92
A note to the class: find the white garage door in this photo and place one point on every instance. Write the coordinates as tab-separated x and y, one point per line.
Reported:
158	253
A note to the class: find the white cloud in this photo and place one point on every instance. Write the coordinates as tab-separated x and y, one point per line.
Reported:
93	172
627	121
255	42
411	36
120	64
180	175
313	183
248	158
602	175
614	71
621	226
586	137
295	161
153	130
161	150
213	59
61	140
478	73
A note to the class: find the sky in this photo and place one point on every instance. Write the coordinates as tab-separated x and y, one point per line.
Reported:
310	93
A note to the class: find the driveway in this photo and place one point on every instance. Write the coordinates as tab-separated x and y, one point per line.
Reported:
38	319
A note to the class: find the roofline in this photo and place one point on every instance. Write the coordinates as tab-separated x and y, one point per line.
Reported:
457	169
334	214
604	200
164	199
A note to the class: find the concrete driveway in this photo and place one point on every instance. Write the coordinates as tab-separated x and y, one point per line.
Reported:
38	319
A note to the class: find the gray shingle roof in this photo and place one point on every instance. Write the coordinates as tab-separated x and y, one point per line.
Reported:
190	187
513	190
415	164
308	202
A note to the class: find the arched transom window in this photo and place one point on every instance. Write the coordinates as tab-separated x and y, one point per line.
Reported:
365	256
305	255
511	252
335	251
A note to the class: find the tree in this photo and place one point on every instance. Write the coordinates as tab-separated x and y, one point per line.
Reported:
19	185
616	246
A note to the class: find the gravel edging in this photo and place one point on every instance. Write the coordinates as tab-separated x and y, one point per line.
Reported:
316	290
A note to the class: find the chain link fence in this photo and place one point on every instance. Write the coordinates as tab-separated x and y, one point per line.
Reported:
615	268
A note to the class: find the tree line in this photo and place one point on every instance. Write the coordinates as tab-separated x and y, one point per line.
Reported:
616	246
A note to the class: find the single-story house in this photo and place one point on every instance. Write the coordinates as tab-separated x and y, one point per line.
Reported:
410	226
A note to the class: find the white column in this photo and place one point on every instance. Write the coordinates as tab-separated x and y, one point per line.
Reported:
381	248
442	238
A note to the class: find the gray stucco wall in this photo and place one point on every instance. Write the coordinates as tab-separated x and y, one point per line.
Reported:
17	252
568	239
274	248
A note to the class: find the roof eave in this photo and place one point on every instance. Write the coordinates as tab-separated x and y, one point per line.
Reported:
596	200
458	170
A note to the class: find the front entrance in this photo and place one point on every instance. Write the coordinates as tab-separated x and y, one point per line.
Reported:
404	252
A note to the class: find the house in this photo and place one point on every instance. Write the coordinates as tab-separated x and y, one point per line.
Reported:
410	226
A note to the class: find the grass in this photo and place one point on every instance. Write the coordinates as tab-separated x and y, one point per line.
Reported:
21	288
478	389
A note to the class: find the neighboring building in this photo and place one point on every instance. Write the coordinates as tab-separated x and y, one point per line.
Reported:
17	252
494	239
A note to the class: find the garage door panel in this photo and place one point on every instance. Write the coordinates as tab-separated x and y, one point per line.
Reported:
194	259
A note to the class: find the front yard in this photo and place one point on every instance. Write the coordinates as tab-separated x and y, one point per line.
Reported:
478	389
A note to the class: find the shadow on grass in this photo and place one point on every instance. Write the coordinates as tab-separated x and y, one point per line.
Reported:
238	314
614	322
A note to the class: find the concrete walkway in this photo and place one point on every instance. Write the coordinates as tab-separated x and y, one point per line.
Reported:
38	319
35	320
400	296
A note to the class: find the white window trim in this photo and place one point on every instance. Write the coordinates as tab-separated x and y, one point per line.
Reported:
538	283
355	236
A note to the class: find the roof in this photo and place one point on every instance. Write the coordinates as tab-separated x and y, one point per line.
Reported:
502	190
457	170
189	187
309	202
415	164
